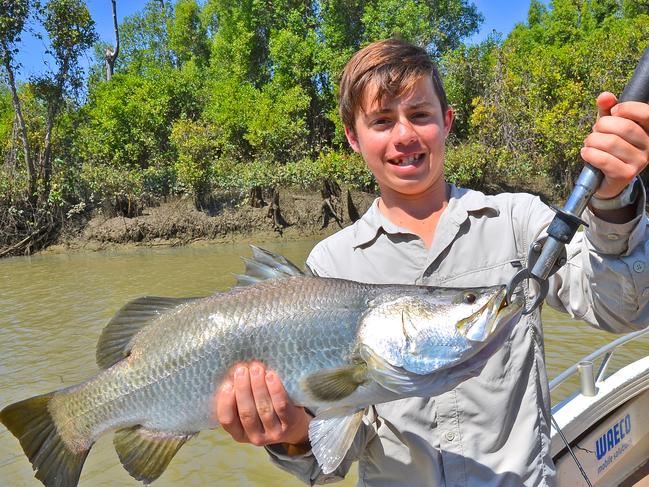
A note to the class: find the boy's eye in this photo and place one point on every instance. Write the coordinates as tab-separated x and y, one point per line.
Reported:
380	122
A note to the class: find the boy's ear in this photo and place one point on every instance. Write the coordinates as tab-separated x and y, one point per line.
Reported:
352	139
448	121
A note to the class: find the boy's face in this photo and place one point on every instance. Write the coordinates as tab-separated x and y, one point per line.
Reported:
402	139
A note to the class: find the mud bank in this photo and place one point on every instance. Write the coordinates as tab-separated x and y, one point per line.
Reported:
230	218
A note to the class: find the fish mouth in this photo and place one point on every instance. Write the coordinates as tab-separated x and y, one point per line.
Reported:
487	320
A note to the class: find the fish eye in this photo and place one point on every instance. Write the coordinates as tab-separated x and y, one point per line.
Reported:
470	298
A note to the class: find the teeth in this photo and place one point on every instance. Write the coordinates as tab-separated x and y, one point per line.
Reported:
408	160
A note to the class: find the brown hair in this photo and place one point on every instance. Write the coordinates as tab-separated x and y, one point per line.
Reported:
394	66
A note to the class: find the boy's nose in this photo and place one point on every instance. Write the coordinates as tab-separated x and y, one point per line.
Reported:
404	133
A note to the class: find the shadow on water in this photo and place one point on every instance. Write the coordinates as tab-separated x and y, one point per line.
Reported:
53	308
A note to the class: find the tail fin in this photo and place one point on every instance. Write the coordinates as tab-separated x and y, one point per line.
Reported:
30	421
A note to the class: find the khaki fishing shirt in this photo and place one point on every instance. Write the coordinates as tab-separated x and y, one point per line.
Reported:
493	429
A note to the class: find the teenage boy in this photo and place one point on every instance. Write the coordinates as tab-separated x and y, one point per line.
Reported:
494	429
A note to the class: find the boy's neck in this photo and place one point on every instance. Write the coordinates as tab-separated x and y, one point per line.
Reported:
417	213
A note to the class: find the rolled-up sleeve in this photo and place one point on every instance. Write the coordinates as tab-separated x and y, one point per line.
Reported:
606	279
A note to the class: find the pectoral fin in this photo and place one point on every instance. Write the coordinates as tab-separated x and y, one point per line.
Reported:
145	454
331	434
395	379
335	384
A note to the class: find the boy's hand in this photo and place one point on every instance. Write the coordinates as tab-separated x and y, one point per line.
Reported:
253	406
618	144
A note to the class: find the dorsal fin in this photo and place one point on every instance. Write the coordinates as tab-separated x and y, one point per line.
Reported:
115	341
145	454
266	265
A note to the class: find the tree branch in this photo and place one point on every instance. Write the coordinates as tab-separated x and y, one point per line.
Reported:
111	56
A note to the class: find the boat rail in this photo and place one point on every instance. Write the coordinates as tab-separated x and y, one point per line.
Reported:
585	365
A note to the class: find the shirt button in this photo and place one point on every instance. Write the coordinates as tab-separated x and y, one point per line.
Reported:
450	436
638	266
613	236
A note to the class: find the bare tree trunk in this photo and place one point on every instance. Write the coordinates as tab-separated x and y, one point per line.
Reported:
274	212
256	197
31	171
46	162
111	56
351	208
11	159
330	189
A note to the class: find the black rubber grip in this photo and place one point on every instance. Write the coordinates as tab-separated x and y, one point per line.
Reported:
637	89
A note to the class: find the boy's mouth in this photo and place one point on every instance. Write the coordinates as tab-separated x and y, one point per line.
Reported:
407	160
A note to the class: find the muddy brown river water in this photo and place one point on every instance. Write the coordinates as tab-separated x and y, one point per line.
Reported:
52	310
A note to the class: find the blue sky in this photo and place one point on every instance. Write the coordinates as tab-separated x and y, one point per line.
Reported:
499	15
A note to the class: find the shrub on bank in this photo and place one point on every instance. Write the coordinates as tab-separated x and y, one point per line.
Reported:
347	169
478	166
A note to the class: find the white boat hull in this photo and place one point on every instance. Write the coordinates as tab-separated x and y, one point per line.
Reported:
608	432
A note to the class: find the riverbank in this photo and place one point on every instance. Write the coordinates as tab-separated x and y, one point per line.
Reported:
229	218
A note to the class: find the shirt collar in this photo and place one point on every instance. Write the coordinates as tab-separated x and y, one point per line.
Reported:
461	202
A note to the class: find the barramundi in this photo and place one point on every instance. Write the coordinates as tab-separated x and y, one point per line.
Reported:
339	347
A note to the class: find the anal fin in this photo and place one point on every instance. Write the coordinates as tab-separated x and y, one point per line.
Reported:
145	454
331	434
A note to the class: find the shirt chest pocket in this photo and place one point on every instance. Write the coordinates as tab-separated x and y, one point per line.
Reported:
489	274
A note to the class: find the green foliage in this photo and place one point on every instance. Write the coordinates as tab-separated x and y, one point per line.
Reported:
347	168
105	184
540	102
187	35
468	71
276	129
13	15
71	31
64	182
6	120
228	108
129	119
34	111
197	150
238	94
126	123
473	164
144	40
437	25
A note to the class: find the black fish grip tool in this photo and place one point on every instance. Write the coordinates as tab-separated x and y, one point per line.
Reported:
548	254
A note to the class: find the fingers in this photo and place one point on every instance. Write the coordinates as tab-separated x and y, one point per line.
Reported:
619	143
253	407
246	406
617	174
605	102
294	419
629	130
271	425
284	409
633	110
227	413
237	408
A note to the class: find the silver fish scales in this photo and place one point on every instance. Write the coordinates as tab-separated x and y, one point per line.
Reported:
339	346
